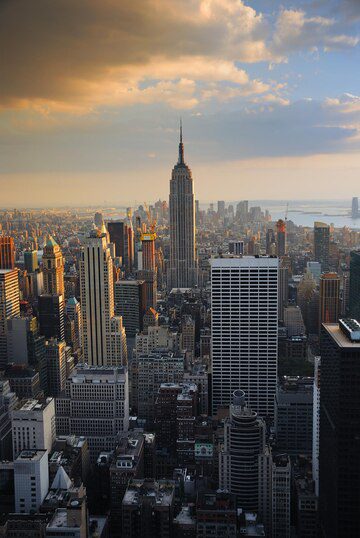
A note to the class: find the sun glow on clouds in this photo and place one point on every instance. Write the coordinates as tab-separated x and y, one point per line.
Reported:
69	70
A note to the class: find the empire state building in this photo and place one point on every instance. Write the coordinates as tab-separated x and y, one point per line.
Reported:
183	263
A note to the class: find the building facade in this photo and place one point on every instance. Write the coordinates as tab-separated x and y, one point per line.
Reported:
244	297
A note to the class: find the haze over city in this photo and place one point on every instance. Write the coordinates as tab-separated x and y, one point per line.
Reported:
91	94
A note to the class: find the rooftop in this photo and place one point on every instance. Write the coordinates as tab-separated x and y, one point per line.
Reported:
34	405
31	455
340	337
159	493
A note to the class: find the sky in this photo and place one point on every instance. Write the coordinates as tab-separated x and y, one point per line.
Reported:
91	93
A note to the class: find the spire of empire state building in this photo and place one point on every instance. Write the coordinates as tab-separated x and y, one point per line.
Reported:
181	146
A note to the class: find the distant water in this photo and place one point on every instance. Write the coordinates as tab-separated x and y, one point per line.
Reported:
306	212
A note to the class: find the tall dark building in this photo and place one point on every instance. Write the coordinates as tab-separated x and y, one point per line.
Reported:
322	244
280	238
31	261
339	474
7	252
130	303
117	236
51	316
354	288
329	307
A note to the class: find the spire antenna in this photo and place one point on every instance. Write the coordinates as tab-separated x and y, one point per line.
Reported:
181	146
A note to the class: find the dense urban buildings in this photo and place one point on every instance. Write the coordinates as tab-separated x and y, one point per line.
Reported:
212	390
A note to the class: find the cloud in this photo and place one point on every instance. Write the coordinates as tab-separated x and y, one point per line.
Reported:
76	57
295	31
73	56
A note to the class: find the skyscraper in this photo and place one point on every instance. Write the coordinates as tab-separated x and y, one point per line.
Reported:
354	288
322	244
355	207
244	296
73	311
130	303
183	264
281	238
51	316
116	232
339	476
31	260
148	270
97	304
9	307
53	268
7	252
244	442
329	308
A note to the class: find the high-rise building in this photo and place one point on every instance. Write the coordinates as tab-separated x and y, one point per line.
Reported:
98	219
329	298
95	404
31	480
275	493
280	238
244	442
9	307
242	210
116	233
293	321
97	300
118	342
148	270
221	208
31	263
53	268
322	244
283	290
339	476
294	415
315	269
73	312
355	207
33	425
316	424
26	346
244	295
148	371
354	287
183	263
130	303
7	252
55	353
51	316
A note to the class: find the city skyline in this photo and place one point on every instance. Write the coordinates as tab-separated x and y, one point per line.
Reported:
268	103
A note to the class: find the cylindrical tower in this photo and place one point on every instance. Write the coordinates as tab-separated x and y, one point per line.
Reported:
244	441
